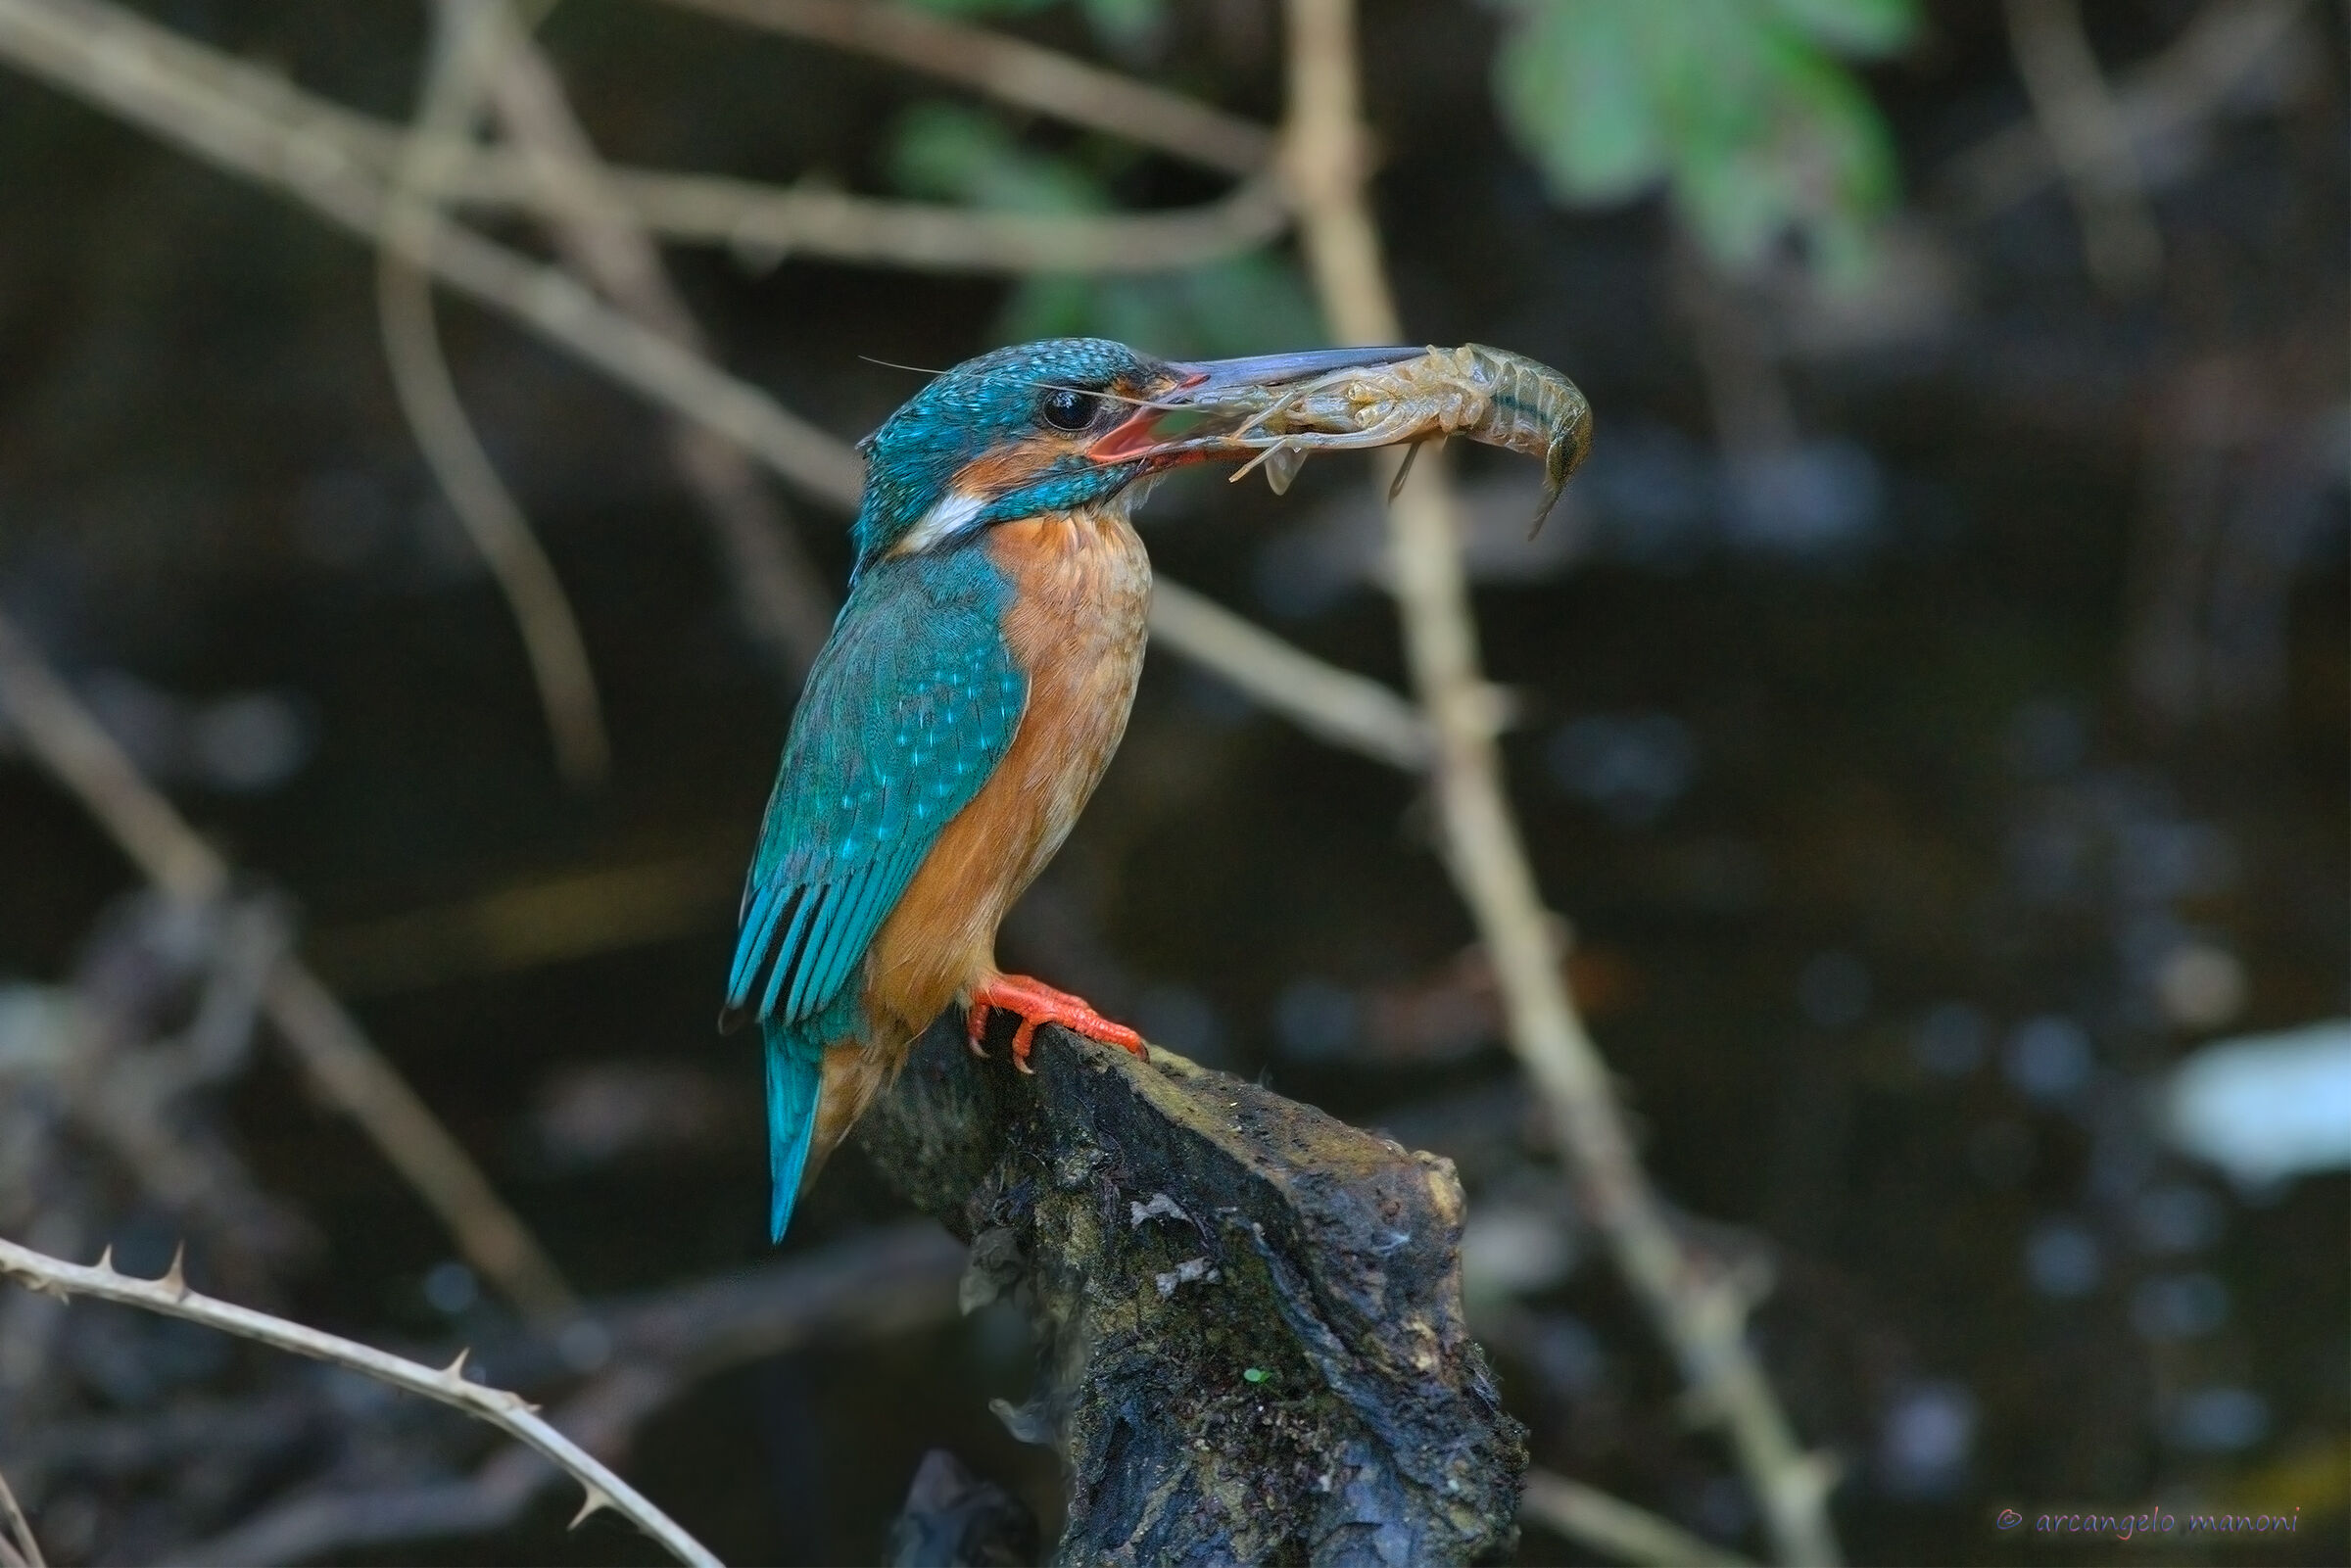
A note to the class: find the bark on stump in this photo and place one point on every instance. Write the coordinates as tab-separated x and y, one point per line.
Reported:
1248	1313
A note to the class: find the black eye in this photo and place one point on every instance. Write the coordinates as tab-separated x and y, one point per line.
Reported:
1065	408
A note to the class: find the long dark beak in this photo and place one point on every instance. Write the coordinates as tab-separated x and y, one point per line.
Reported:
1192	419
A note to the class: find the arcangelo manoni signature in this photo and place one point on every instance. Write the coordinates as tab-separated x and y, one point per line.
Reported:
2156	1522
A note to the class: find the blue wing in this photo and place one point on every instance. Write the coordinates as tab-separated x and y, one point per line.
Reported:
909	708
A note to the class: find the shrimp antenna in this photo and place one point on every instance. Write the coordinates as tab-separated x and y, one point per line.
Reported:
893	365
1412	455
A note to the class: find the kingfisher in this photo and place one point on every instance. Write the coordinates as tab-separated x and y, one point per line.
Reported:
974	688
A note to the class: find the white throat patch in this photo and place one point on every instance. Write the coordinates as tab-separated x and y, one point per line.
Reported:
954	515
951	514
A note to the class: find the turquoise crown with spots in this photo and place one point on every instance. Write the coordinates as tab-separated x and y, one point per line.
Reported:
984	405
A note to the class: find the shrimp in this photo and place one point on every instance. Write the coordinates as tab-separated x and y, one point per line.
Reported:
1491	396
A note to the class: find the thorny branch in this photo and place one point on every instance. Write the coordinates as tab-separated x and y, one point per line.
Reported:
465	54
885	1281
172	1297
1704	1318
323	1037
158	80
17	1547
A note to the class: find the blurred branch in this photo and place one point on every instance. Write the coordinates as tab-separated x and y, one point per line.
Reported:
2091	143
765	221
177	90
127	1059
1747	395
770	224
462	56
1015	71
172	1297
329	1044
882	1282
547	919
2177	88
173	89
1703	1318
780	596
17	1547
1592	1519
1335	704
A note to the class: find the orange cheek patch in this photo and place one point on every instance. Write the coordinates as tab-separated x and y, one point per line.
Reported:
1008	468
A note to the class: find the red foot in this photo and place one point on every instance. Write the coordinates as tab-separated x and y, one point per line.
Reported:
1036	1003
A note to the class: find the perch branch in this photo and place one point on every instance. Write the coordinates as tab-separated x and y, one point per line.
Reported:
1592	1518
172	1297
1702	1318
778	591
323	1037
464	53
1248	1314
151	77
2091	143
1014	70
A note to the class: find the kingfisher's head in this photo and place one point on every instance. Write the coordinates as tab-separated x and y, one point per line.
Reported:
1067	424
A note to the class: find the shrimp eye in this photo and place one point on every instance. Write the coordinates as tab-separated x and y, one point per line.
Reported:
1065	408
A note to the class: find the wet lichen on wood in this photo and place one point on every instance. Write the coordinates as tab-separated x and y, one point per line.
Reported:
1247	1313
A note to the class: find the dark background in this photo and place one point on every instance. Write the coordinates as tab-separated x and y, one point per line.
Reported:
1876	811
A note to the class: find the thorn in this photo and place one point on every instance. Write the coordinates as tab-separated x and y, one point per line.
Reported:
595	1499
175	1278
106	1260
457	1368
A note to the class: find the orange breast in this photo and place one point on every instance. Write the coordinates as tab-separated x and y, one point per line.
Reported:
1081	593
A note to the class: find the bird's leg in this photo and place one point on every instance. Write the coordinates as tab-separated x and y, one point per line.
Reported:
1034	1002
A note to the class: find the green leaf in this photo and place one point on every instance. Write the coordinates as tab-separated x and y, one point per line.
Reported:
1242	304
1125	23
1737	107
982	8
1866	28
1247	304
1116	22
958	153
1571	82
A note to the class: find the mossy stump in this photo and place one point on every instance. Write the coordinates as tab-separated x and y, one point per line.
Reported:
1248	1313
